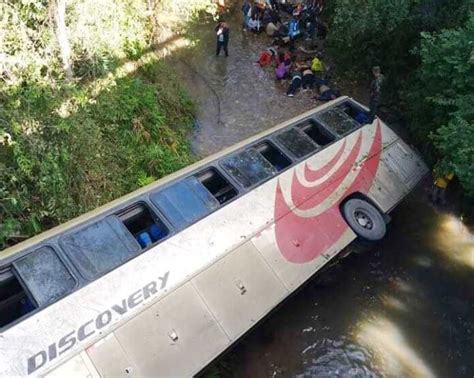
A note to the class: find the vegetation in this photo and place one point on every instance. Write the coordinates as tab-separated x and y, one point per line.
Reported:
445	78
88	111
426	51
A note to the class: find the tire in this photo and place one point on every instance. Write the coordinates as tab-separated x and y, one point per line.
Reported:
364	219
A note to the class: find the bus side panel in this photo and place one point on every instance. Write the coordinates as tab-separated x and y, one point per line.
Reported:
79	366
173	336
387	189
240	289
294	275
110	359
405	163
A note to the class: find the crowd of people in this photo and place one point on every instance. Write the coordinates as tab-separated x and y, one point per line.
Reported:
296	51
288	23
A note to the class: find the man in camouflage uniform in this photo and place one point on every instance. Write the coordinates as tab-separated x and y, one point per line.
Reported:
375	91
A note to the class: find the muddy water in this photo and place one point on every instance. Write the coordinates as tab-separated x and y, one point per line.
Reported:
404	307
401	308
236	98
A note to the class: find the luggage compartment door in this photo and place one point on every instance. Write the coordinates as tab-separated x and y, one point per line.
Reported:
240	289
177	336
403	161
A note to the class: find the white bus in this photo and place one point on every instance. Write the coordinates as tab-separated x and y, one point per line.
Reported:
162	281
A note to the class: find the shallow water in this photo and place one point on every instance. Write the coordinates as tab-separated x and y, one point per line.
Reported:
236	98
403	307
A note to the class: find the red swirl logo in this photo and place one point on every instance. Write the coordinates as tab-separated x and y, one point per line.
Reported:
305	232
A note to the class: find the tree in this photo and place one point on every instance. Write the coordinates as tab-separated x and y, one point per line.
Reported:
426	49
364	33
58	11
445	89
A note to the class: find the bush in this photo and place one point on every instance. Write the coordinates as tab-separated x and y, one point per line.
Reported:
70	144
425	49
69	150
445	90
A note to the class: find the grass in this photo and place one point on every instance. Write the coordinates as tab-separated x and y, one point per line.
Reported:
76	146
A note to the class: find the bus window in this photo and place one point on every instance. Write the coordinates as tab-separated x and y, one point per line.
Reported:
317	133
45	275
298	143
144	227
337	120
99	247
13	300
185	202
217	185
273	155
356	113
248	167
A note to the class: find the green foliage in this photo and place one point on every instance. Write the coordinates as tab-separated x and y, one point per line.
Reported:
69	146
441	87
99	37
425	49
71	151
442	98
456	144
365	33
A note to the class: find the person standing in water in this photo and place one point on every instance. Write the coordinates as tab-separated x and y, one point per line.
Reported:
222	33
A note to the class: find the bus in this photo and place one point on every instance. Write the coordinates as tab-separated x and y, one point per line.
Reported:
161	281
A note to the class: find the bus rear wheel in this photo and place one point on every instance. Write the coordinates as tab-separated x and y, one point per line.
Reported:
364	219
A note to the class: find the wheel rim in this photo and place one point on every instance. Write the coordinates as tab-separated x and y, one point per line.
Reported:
363	219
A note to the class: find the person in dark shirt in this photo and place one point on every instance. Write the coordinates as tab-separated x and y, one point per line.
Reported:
222	33
375	91
309	79
326	93
295	83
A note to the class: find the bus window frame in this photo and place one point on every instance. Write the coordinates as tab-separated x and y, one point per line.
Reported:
11	268
212	167
154	213
225	175
240	151
356	106
287	151
264	139
89	277
334	107
272	144
23	283
313	120
176	227
172	228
